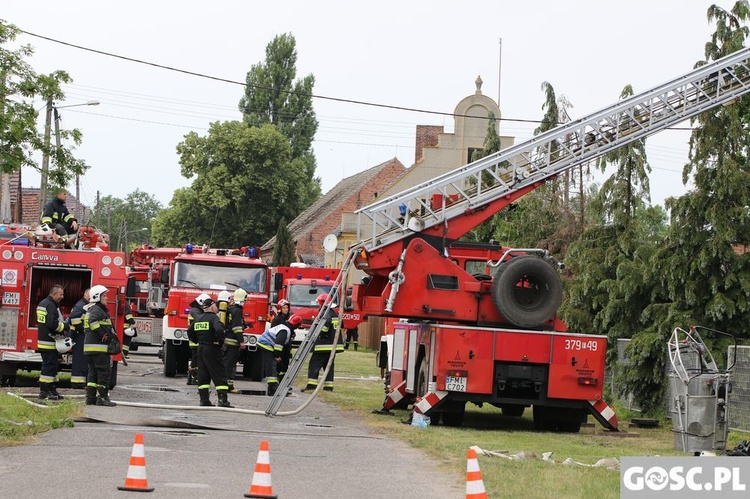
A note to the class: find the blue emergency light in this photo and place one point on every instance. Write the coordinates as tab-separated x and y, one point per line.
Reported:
189	249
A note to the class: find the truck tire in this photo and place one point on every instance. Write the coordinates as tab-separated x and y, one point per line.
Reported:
252	367
183	358
512	410
527	291
455	416
170	359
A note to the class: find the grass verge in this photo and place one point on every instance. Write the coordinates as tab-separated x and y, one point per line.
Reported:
20	421
359	390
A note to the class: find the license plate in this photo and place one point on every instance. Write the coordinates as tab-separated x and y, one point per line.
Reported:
455	384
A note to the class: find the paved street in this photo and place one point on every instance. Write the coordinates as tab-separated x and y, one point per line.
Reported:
322	452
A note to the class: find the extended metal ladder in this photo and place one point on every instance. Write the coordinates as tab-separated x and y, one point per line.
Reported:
304	349
473	186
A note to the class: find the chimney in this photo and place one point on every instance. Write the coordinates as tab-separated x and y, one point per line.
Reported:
427	136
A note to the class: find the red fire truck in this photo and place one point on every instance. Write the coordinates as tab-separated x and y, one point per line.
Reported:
30	264
147	290
197	270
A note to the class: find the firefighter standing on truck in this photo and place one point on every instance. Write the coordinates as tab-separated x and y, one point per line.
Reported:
80	365
195	311
98	328
323	347
272	344
51	330
234	337
208	332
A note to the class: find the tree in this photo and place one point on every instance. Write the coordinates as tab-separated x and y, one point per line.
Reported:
125	219
245	182
483	232
284	251
273	96
19	137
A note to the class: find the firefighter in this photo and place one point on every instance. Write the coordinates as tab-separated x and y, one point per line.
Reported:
283	314
352	336
98	328
57	217
195	311
272	344
207	330
80	365
129	332
234	338
51	328
323	347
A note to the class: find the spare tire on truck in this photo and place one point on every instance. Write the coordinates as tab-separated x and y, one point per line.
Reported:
527	291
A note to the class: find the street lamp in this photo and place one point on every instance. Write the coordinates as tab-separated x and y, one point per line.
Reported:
127	233
45	158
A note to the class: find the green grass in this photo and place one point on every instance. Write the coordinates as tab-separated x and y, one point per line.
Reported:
487	428
20	421
31	378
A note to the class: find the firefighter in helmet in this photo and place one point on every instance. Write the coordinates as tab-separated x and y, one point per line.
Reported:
195	310
323	347
272	344
98	326
51	330
57	217
283	314
208	331
79	368
233	337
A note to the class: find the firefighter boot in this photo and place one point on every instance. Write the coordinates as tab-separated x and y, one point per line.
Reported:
90	395
45	393
102	397
223	402
205	401
192	378
232	389
271	389
53	391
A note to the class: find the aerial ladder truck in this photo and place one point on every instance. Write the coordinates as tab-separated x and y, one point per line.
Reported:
477	323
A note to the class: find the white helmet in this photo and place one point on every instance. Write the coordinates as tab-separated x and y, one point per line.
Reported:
96	292
202	299
64	344
129	331
224	296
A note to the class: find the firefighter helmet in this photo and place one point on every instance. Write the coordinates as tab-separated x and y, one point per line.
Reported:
283	302
224	296
321	299
240	295
202	298
64	344
295	320
96	292
129	331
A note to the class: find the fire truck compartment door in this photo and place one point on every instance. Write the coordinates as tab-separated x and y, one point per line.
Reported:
465	353
577	368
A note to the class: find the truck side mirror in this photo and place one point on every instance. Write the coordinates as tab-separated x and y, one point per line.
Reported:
130	287
164	277
278	281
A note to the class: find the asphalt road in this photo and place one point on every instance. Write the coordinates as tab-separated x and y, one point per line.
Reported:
321	452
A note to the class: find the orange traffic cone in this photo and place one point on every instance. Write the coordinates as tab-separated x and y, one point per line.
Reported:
261	485
474	483
136	478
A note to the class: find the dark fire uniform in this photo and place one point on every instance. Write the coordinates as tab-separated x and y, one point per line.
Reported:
232	340
50	324
98	328
129	322
79	368
272	344
208	331
322	351
192	377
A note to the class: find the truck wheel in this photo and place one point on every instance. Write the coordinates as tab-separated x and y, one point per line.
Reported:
183	358
170	359
421	388
513	410
252	367
113	376
544	420
8	380
527	291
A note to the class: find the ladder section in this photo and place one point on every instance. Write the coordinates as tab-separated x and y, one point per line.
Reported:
473	186
306	347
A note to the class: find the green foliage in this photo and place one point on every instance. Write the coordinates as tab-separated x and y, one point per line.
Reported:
273	96
284	251
245	182
20	420
125	219
20	86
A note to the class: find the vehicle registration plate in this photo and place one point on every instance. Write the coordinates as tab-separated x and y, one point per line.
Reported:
455	384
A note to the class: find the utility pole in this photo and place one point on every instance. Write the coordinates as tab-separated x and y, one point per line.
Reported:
45	158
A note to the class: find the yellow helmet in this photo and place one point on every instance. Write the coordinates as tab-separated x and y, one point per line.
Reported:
240	295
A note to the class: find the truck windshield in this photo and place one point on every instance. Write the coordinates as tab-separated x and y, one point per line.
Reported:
303	295
207	276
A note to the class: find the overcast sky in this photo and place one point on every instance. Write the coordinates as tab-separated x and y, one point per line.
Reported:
415	54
